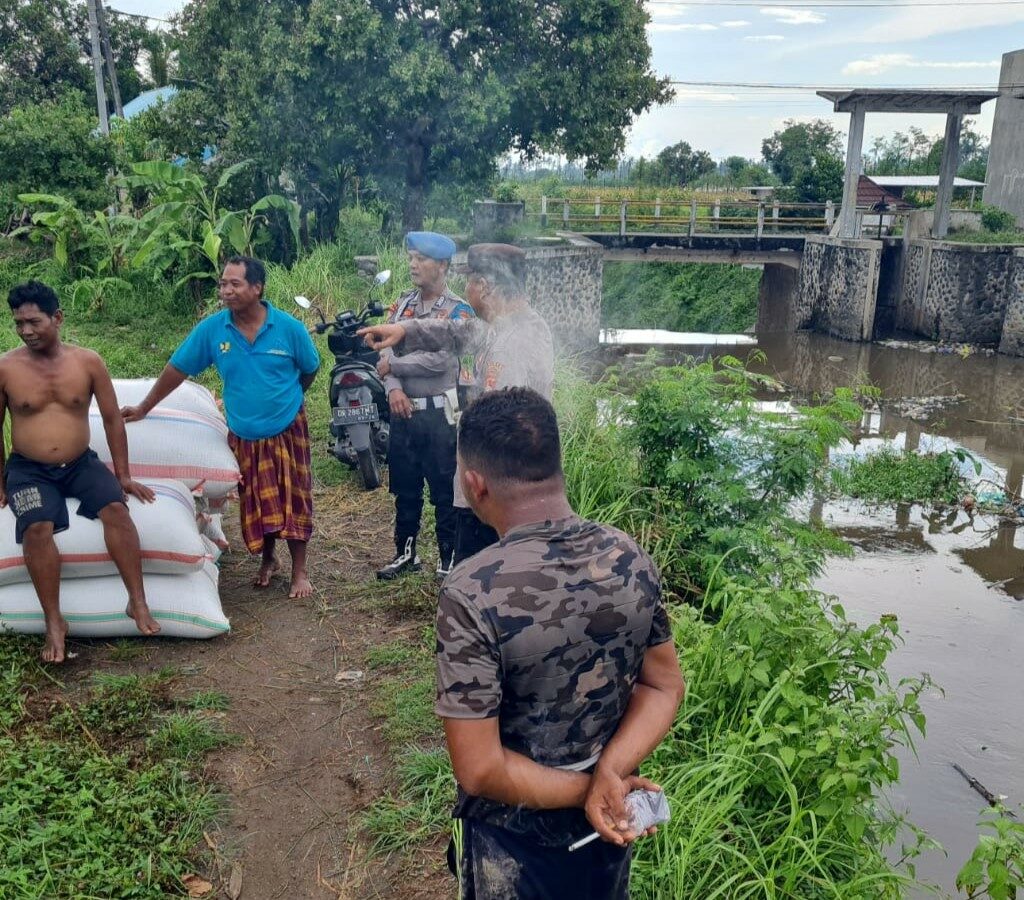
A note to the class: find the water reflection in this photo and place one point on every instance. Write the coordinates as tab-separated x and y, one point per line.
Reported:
949	577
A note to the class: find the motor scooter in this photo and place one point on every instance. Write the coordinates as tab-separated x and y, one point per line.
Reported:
360	414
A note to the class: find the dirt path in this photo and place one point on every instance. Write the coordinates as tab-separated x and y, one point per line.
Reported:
311	757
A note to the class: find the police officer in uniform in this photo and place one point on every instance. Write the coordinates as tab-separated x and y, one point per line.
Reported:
421	393
509	345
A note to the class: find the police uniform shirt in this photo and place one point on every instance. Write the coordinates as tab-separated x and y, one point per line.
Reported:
515	350
424	373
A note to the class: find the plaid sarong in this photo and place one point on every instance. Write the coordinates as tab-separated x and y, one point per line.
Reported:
276	492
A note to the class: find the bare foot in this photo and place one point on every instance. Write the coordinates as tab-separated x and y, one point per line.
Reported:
301	586
53	647
144	620
268	570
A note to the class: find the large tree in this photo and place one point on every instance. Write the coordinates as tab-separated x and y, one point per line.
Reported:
411	92
680	164
793	149
44	51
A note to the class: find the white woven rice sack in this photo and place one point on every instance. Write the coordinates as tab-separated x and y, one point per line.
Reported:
190	397
211	526
185	438
186	606
215	552
168	536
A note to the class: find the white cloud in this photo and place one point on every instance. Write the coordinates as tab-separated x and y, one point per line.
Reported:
735	23
682	26
763	38
666	10
685	93
910	25
884	62
789	16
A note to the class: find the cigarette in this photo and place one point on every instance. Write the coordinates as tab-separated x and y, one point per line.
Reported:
582	842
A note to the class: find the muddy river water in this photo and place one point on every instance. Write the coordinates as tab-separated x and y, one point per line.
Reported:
956	583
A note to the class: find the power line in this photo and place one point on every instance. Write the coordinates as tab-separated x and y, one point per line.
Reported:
121	12
754	85
838	4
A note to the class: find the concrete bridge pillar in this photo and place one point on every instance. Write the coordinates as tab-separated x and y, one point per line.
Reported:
777	299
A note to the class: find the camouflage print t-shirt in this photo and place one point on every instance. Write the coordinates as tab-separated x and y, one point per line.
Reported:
547	630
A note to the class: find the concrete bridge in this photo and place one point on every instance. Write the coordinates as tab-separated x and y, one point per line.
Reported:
855	289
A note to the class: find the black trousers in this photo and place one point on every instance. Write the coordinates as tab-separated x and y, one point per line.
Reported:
423	449
492	863
471	535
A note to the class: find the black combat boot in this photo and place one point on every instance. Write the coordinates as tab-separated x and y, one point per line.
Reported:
445	561
405	561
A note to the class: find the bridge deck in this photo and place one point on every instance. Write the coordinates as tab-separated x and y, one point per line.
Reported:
736	249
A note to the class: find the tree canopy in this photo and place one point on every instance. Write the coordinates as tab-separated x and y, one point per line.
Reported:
795	147
410	93
44	51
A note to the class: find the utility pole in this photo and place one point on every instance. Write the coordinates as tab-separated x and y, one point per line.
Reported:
108	53
97	66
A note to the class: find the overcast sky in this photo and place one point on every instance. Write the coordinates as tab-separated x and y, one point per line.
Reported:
955	44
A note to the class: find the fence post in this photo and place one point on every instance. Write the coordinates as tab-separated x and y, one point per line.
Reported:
717	212
565	214
693	215
830	214
543	212
657	208
775	215
597	208
760	219
622	219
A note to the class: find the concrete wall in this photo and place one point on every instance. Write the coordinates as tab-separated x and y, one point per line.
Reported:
839	287
1012	340
777	299
1005	178
564	286
955	292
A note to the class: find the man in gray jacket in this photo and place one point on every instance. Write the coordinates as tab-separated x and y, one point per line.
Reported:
510	341
422	444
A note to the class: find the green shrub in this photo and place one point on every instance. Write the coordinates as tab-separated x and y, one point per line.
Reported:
995	219
696	297
893	476
54	148
506	192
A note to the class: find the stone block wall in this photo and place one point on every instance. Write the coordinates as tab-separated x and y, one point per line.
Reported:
839	287
955	292
1012	339
564	284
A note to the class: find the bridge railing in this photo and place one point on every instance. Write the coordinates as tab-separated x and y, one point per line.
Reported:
694	216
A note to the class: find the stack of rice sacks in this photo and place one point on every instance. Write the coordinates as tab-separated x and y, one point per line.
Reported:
181	451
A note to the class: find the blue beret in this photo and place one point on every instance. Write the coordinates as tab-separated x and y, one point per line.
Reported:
430	243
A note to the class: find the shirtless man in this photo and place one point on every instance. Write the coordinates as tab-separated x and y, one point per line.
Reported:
47	387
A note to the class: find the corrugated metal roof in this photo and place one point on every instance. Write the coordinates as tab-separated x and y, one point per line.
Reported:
919	181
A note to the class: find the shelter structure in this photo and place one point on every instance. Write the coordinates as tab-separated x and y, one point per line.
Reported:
860	101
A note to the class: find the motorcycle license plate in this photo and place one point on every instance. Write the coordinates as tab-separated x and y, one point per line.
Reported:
355	415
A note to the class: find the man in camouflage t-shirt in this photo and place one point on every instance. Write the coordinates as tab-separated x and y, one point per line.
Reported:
556	672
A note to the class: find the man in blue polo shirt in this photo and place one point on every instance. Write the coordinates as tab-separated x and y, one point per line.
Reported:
267	362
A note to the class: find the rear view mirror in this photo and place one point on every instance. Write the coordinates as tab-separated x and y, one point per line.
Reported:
304	302
382	277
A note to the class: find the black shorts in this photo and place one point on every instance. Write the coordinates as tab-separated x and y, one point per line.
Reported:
37	491
494	863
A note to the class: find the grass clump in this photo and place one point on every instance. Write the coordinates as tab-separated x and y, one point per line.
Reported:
211	700
405	696
903	476
420	808
95	799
